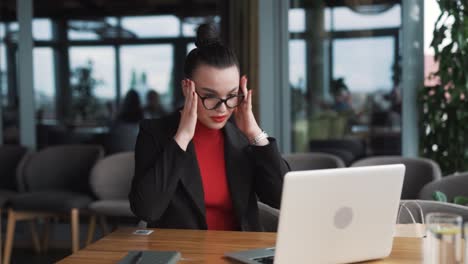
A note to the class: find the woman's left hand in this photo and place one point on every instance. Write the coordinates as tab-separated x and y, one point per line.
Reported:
244	117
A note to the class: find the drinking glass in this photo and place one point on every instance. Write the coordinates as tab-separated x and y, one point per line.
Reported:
443	243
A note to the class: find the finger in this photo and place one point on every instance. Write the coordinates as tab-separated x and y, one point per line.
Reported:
244	85
189	99
191	85
194	96
194	103
249	100
184	87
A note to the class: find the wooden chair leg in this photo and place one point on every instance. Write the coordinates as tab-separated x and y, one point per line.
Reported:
91	229
35	236
9	236
75	230
46	237
104	225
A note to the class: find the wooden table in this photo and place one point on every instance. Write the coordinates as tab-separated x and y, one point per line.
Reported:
199	246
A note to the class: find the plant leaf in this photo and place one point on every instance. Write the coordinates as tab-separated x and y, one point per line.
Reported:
439	196
461	200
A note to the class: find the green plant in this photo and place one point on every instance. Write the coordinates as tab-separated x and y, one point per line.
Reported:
83	83
442	197
444	107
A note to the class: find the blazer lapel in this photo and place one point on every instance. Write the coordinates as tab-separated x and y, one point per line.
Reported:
193	183
237	169
191	179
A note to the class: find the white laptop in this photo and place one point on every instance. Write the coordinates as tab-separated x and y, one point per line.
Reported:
334	216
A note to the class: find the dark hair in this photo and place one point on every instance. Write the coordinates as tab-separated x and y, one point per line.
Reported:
209	51
130	110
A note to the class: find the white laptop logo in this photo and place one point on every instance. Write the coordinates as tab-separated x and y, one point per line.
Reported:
343	217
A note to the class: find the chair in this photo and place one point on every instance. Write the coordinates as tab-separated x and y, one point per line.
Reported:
313	161
55	182
348	150
269	217
451	186
10	158
110	181
419	171
428	207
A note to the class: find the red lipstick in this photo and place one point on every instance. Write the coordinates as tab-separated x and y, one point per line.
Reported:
218	119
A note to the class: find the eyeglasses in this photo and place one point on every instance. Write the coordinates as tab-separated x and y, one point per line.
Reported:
212	102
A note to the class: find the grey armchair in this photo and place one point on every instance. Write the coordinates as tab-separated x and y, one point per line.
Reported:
313	161
269	217
55	182
419	172
110	181
451	186
428	207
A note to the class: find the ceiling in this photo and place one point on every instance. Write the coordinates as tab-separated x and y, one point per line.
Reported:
101	8
183	8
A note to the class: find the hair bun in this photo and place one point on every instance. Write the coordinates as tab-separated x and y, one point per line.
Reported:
207	35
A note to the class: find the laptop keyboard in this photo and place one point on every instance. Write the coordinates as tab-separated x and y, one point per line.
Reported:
265	260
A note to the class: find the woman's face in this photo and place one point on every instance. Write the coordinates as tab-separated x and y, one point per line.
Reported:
213	82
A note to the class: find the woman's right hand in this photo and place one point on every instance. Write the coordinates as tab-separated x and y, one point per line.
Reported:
188	119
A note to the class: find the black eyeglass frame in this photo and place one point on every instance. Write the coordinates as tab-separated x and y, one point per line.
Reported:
220	101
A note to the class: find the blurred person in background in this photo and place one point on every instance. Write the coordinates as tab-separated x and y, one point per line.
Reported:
153	108
124	130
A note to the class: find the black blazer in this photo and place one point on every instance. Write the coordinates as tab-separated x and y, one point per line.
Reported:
167	190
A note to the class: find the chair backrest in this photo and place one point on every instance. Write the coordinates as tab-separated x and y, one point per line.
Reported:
65	167
428	207
419	172
313	161
269	217
10	157
356	146
451	186
111	177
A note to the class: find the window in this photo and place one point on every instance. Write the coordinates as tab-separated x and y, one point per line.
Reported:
44	82
345	82
152	26
84	29
190	47
148	67
345	18
42	29
3	69
369	52
92	81
296	20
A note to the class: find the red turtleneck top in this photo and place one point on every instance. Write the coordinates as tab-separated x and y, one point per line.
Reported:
209	147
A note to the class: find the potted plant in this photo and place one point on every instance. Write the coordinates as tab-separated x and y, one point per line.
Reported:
444	107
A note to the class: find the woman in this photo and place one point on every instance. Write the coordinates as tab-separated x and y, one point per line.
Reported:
196	170
124	130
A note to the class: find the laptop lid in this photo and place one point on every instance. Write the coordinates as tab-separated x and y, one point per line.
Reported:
338	215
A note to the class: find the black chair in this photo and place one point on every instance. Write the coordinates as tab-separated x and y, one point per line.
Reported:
10	158
56	183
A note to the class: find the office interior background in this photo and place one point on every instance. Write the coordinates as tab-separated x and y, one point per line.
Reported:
325	73
343	66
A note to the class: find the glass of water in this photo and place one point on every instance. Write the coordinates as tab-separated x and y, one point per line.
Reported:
443	243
